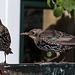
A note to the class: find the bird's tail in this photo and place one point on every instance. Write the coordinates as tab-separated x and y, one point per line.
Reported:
9	51
69	43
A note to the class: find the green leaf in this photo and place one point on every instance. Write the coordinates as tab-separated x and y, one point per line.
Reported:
49	54
42	61
48	3
59	2
46	58
69	5
58	11
73	13
53	2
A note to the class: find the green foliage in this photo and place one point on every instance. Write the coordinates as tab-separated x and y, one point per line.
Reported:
60	5
49	54
58	11
59	2
46	58
48	3
69	5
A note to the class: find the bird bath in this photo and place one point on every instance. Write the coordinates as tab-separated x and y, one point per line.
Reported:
41	69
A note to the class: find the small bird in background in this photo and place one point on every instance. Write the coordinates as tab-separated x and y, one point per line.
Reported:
51	40
5	40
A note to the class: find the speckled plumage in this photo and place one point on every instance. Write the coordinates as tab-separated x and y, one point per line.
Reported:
5	40
52	40
55	41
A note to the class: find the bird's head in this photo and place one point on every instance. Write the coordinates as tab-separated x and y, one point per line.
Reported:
33	33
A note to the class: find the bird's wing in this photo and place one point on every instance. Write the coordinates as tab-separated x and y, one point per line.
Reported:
7	35
66	40
57	37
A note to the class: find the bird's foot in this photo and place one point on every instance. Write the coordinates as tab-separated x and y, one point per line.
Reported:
3	63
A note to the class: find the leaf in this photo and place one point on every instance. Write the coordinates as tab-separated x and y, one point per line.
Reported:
53	2
48	3
49	54
59	2
46	58
58	11
42	61
69	5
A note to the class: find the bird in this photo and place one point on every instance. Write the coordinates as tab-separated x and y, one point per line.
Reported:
52	40
5	40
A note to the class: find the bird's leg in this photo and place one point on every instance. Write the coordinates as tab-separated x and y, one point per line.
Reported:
5	57
57	55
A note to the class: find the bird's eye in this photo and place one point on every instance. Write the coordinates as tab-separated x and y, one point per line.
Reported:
33	33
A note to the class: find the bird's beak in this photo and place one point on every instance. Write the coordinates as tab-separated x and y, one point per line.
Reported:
26	33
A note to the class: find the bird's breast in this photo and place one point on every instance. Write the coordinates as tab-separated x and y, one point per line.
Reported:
52	47
47	47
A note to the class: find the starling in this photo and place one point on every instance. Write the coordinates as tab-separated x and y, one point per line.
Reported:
51	40
5	40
